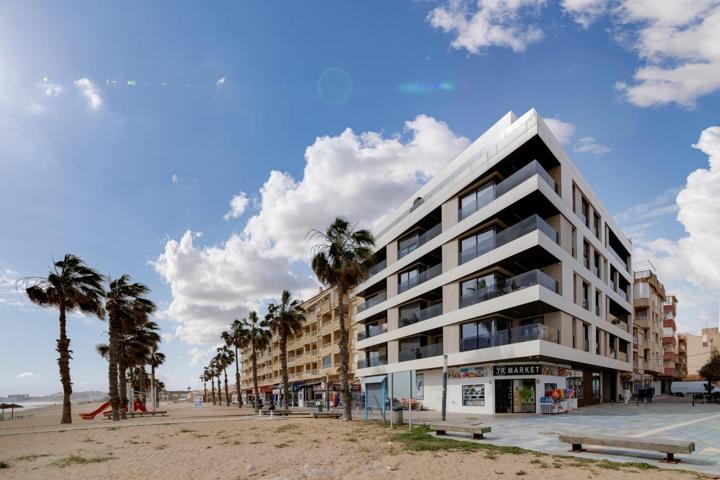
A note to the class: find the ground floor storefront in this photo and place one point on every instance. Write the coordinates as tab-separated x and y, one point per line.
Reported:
308	393
511	387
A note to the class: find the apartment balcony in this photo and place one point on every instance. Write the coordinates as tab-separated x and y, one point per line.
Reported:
371	302
421	277
669	341
372	331
617	256
526	172
670	372
669	356
642	321
517	230
420	315
525	333
421	352
421	239
378	267
622	356
669	323
512	284
372	362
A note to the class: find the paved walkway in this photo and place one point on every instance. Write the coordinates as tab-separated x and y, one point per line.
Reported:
667	418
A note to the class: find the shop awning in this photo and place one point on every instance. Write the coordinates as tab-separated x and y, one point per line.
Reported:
375	379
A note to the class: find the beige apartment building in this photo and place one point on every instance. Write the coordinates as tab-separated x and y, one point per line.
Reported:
313	356
674	346
648	305
699	350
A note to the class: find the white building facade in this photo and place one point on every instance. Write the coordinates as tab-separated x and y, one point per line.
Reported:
507	267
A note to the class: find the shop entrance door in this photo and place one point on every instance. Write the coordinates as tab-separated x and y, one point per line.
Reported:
503	396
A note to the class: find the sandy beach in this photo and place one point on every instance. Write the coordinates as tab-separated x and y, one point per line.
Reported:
222	443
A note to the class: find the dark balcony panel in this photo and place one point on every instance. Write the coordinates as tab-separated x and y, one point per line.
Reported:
371	302
518	282
421	239
419	316
427	351
422	277
372	331
372	362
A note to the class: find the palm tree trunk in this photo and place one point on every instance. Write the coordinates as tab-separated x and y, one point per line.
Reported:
219	382
205	391
283	366
143	385
237	378
122	378
227	394
212	384
113	369
255	382
63	348
344	360
153	388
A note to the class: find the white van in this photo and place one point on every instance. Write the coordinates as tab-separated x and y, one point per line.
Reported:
680	389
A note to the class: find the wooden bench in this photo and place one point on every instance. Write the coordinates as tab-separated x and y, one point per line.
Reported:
327	415
667	446
477	430
150	413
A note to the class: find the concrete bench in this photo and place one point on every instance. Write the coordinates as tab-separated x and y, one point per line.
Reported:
667	446
477	430
149	413
327	415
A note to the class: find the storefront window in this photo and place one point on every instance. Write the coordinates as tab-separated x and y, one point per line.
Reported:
575	382
473	395
524	396
596	385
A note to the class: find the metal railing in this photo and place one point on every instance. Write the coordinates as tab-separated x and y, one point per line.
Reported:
427	351
371	302
371	331
518	282
420	315
421	277
526	172
422	239
517	230
525	333
372	362
379	266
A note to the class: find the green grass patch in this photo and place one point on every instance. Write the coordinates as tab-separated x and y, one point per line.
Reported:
31	457
419	439
640	466
78	460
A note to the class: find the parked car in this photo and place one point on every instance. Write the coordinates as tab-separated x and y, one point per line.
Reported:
681	389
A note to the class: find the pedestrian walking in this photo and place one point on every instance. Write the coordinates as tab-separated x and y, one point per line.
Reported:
627	395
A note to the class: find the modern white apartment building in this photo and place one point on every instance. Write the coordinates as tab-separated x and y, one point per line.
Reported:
507	264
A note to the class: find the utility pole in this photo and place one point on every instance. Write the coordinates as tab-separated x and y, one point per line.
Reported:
444	388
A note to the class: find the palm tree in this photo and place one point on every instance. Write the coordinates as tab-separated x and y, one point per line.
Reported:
236	337
258	339
216	371
211	376
155	360
341	260
71	286
203	378
285	319
126	305
159	387
225	358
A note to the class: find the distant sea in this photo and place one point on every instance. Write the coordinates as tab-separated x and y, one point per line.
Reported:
32	405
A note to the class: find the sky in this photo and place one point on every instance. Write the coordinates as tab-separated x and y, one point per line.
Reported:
192	145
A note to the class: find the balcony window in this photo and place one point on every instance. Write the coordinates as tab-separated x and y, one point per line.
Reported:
406	279
477	244
586	295
418	275
494	285
478	286
586	254
596	224
414	313
484	333
477	199
413	349
585	212
408	244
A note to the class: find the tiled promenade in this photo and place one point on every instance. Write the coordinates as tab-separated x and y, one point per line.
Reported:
665	418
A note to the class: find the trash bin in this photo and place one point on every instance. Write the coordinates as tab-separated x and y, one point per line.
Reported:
397	415
319	407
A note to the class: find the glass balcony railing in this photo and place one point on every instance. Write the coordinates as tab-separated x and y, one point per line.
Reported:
617	256
518	282
421	352
371	302
372	362
521	228
420	315
372	331
526	172
422	239
379	266
525	333
421	277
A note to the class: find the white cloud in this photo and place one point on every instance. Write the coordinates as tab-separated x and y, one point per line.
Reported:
589	145
50	89
481	24
563	131
679	44
90	92
662	205
585	12
200	356
220	81
690	267
11	293
174	178
36	108
360	176
167	337
238	203
26	375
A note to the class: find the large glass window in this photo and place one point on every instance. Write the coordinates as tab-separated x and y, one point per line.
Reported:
476	199
408	279
484	333
409	314
473	395
476	244
408	244
477	286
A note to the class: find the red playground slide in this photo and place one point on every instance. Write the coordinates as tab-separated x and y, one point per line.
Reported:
137	406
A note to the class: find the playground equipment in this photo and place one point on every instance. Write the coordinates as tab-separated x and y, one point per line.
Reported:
137	406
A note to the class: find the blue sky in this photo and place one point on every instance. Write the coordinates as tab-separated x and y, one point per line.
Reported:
126	128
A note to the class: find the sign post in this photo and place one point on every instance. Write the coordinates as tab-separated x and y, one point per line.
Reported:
444	388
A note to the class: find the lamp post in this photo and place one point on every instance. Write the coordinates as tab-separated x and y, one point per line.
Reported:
444	388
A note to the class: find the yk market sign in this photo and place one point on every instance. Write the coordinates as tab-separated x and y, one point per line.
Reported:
506	370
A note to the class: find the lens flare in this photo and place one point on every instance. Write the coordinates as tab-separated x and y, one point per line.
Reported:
335	86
